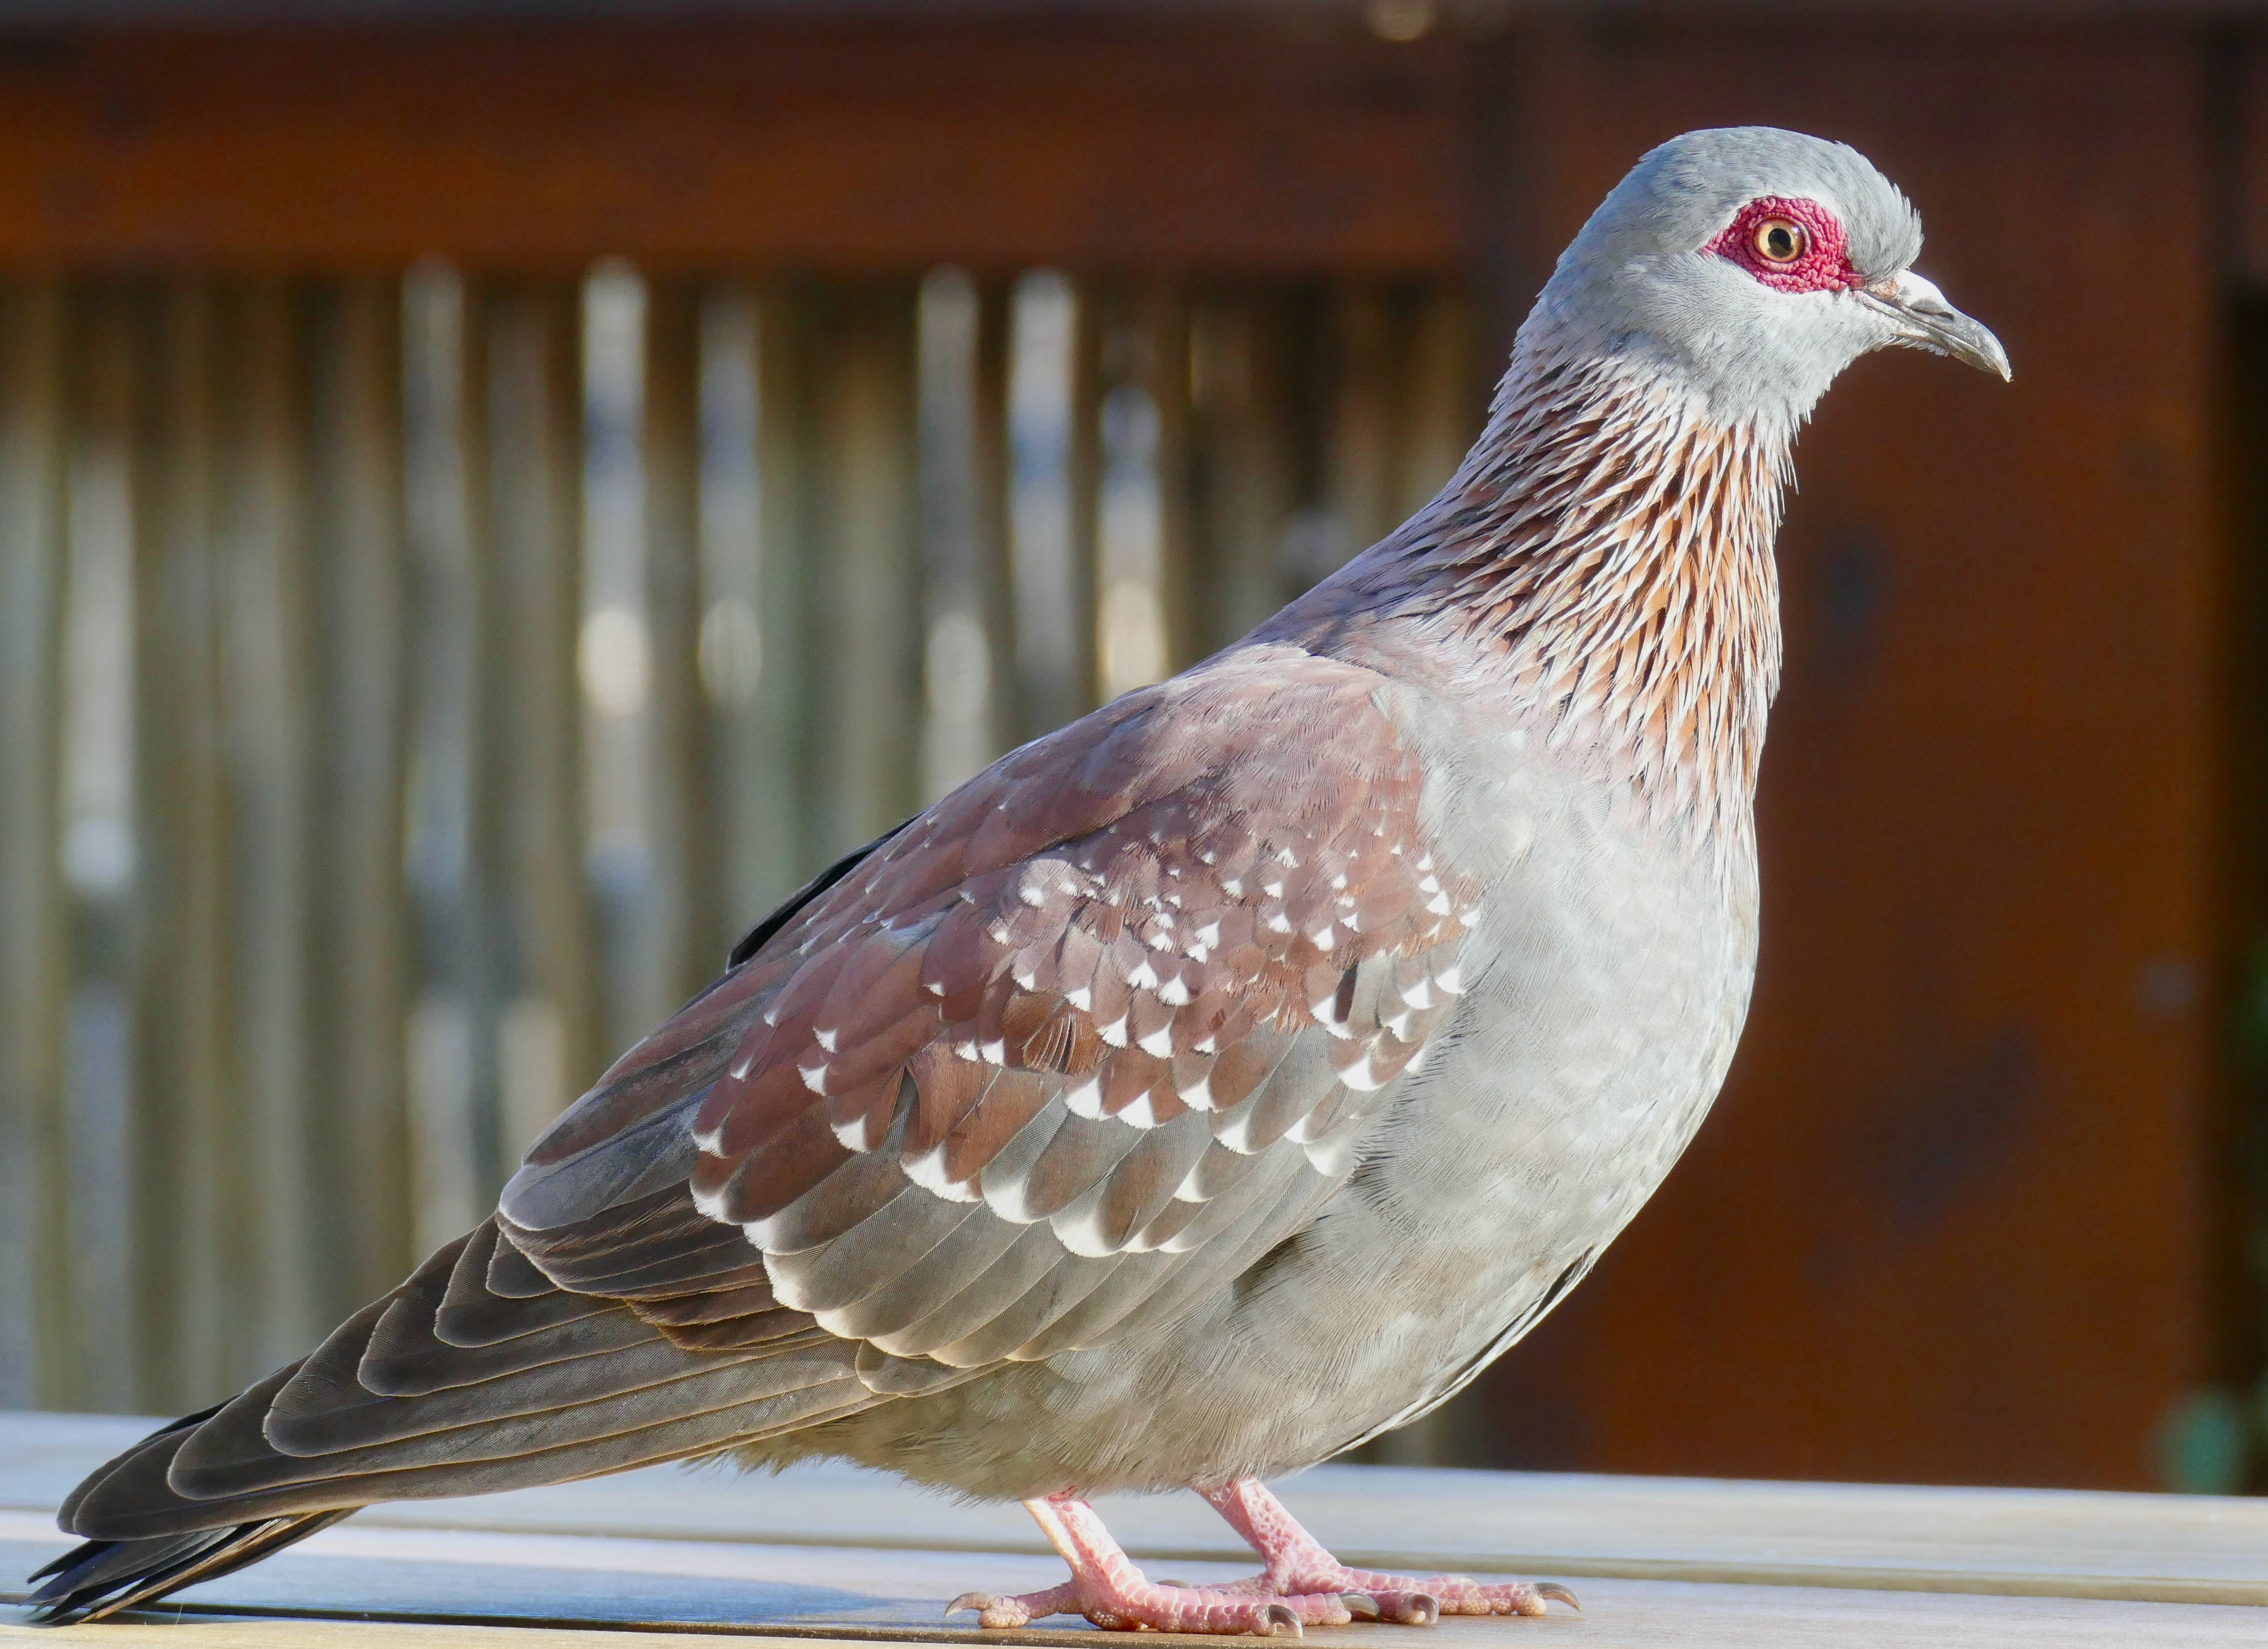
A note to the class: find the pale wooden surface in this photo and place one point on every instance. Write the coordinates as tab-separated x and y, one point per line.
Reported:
829	1551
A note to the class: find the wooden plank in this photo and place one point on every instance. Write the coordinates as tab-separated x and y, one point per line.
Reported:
264	633
1628	1615
847	143
548	1046
804	1590
362	1230
1997	1542
34	962
1991	891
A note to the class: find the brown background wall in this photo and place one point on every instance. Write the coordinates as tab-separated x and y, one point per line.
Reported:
1956	1217
1952	1218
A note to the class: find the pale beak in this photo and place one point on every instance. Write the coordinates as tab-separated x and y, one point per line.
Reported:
1926	321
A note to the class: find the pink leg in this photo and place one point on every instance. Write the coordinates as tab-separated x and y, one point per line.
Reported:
1107	1588
1298	1564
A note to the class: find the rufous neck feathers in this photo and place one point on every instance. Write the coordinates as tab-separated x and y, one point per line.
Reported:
1600	571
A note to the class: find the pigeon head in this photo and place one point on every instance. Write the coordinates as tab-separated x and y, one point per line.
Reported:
1749	266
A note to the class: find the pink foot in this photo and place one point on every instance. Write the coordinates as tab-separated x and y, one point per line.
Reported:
1297	1563
1107	1588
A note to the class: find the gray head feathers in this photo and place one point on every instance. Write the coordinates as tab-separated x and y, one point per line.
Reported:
1641	284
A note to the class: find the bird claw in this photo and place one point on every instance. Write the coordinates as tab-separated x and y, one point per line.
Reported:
993	1613
1411	1608
1553	1589
1361	1605
1279	1621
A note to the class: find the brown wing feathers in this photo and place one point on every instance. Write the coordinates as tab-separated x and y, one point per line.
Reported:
983	1089
1085	1041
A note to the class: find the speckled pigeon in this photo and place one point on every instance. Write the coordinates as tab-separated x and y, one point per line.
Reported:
1220	1080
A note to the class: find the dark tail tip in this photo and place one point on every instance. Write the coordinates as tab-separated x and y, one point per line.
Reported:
103	1577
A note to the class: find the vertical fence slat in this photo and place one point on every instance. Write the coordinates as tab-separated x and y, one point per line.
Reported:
266	656
1165	323
34	1367
989	465
363	945
1444	395
682	927
752	626
548	1040
1050	536
1245	462
961	643
789	493
104	1219
868	674
180	1044
1360	488
452	1063
1083	490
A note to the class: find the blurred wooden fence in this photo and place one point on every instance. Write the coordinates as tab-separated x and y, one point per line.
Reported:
410	686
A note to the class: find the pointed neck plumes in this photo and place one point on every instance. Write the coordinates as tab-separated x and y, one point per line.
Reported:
1600	571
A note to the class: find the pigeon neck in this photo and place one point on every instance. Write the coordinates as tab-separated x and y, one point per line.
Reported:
1600	571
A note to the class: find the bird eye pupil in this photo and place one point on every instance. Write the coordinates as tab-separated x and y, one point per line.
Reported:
1779	240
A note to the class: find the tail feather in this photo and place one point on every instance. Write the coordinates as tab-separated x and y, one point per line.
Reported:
390	1408
103	1577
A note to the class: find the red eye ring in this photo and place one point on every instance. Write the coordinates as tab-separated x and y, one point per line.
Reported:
1814	257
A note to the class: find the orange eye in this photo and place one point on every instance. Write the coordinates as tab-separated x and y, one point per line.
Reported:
1781	240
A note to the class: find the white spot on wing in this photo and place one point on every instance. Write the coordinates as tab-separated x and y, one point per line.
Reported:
1079	1226
1085	1100
928	1171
